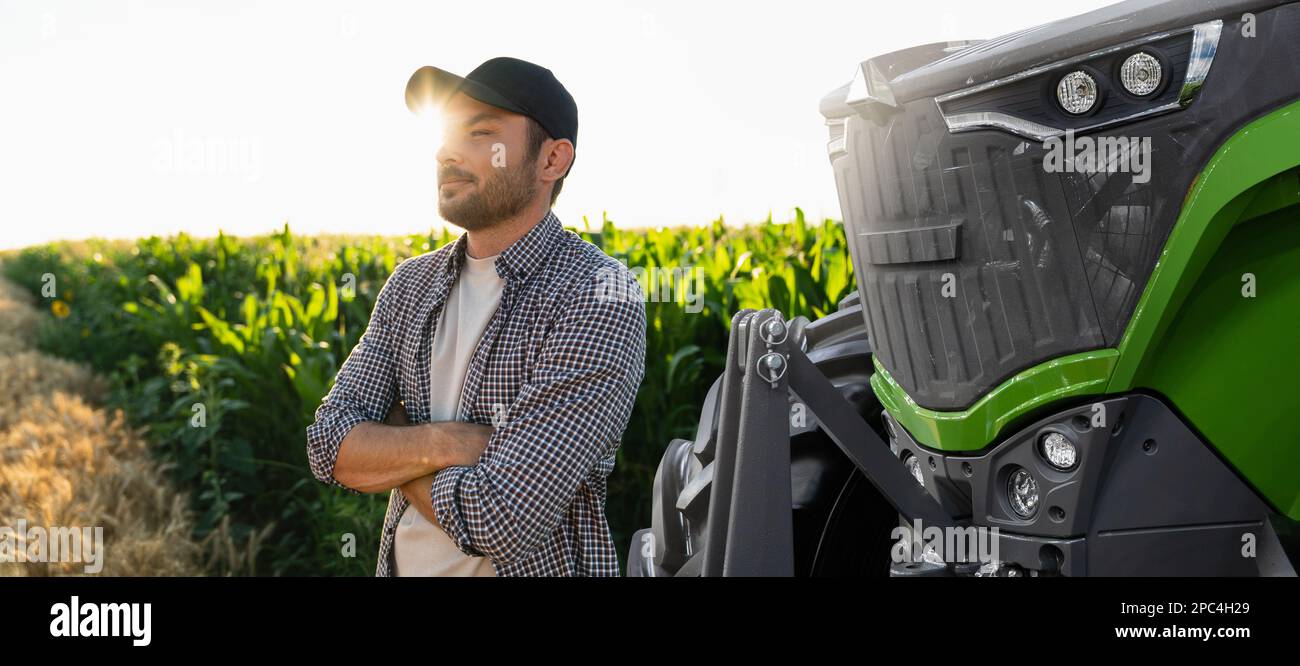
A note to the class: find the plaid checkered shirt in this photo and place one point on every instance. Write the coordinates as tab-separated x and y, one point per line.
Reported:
556	373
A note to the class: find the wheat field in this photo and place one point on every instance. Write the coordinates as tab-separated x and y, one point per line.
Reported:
66	461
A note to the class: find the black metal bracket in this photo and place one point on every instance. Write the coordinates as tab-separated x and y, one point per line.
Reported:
750	525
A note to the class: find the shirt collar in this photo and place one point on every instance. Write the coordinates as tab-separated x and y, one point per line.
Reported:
523	256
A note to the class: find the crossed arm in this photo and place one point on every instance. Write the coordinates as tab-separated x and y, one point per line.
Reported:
377	457
395	454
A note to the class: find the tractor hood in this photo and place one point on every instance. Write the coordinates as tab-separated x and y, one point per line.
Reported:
988	236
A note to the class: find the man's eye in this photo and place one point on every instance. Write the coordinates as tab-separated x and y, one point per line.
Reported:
479	133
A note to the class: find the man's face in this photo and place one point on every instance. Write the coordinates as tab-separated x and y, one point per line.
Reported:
484	174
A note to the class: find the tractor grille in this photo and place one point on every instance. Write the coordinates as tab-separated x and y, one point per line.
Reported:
966	255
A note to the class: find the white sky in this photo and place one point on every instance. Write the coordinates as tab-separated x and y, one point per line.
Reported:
125	119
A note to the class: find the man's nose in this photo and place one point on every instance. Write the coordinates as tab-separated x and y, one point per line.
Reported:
446	154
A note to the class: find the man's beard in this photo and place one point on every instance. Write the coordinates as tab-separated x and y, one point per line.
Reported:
503	195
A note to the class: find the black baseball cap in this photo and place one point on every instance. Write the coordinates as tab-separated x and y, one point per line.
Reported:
507	83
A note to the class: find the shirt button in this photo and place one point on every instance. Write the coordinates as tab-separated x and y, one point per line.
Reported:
408	520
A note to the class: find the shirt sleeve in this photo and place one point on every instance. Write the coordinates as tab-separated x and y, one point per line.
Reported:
363	389
566	418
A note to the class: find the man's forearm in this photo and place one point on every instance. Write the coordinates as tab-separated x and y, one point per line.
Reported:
375	457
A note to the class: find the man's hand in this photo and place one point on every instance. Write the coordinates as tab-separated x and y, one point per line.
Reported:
419	492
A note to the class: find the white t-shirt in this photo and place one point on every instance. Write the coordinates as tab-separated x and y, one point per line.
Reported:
421	548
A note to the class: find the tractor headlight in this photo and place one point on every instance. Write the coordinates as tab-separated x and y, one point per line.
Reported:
1059	451
1140	74
1022	493
1077	92
913	465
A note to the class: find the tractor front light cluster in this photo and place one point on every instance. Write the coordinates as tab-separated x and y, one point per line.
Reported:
1113	85
1079	93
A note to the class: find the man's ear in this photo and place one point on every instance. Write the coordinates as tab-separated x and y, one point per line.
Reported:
559	157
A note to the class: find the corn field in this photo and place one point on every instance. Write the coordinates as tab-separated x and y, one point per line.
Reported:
215	353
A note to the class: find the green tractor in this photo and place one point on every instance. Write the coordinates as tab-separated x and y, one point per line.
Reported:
1075	340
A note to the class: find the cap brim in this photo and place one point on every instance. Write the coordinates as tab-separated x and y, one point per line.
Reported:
429	88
